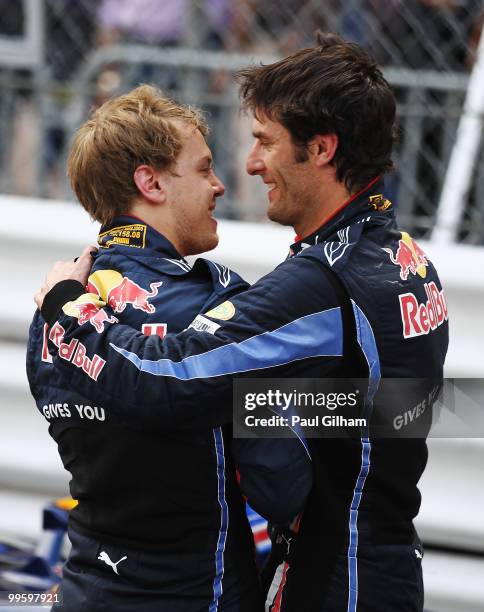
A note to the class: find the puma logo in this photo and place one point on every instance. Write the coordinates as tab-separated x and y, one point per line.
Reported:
418	554
103	556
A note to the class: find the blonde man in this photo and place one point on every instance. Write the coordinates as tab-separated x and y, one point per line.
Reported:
160	525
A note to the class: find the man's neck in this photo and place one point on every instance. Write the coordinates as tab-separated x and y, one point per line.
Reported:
161	222
331	198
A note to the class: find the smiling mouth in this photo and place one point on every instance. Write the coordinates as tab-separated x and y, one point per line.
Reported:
271	188
211	212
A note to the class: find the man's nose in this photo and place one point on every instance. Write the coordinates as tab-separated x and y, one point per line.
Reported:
218	187
255	164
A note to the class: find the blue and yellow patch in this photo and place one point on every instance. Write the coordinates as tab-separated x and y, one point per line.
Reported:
133	235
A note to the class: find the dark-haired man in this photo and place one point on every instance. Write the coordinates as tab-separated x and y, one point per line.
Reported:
357	297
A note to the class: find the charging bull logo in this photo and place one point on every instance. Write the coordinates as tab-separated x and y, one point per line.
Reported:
409	257
89	307
96	316
118	291
108	287
128	292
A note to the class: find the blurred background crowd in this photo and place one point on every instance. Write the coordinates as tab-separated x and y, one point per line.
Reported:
59	58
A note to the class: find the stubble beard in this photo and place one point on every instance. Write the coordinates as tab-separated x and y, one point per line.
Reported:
283	212
201	244
196	240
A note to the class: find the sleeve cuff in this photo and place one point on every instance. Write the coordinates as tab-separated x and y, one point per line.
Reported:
60	294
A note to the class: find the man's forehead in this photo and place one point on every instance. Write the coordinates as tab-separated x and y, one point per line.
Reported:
185	128
203	152
194	156
263	126
194	141
188	131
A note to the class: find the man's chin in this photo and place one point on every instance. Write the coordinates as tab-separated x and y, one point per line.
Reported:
208	243
278	216
213	242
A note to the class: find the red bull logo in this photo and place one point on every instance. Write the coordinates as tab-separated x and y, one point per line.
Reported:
88	307
96	316
118	291
76	353
409	257
129	292
421	319
109	287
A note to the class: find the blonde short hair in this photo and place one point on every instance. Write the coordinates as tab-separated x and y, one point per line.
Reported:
124	133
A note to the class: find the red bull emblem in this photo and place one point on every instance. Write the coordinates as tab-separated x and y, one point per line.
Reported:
88	307
110	288
419	319
409	257
96	316
118	291
76	353
129	292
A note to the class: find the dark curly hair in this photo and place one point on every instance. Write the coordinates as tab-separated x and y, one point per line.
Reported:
334	87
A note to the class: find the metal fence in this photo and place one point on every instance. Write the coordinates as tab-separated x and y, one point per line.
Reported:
58	58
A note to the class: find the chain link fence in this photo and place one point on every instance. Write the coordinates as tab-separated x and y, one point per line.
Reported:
59	58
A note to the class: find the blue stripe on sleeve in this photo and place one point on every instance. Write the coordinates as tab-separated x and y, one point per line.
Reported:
314	335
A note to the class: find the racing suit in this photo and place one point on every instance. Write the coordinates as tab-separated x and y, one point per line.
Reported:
356	297
160	523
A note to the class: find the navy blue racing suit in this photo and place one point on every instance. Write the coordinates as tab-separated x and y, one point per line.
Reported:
164	501
358	297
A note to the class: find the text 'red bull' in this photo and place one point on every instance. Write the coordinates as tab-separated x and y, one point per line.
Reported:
421	319
75	352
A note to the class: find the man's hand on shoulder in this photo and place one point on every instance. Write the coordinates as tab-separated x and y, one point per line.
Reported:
66	270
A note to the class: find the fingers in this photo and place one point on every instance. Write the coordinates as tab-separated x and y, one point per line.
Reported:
64	270
39	299
83	264
88	251
40	295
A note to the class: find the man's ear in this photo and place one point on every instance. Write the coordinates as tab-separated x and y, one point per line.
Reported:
323	148
150	184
